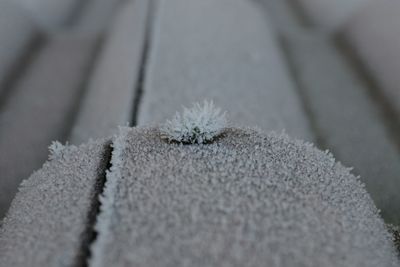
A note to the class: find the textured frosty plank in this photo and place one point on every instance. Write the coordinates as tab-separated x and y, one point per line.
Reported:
343	114
40	110
50	13
109	100
47	221
331	14
347	121
247	199
374	33
16	33
221	50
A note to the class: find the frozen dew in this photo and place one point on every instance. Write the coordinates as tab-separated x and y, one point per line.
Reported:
199	124
55	150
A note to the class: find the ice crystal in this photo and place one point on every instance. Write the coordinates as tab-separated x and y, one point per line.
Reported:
199	124
55	149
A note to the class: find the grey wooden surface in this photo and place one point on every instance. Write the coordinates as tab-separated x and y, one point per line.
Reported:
109	99
374	34
41	108
348	122
50	219
345	118
76	73
248	199
330	15
193	58
50	14
17	31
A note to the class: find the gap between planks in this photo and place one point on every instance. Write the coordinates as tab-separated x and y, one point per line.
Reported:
90	233
387	111
141	79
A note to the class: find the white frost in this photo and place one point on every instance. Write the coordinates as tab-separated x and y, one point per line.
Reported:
55	149
198	124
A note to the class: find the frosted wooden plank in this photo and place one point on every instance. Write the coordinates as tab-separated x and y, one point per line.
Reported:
48	220
248	199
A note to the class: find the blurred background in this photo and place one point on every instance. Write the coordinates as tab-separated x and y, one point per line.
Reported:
71	70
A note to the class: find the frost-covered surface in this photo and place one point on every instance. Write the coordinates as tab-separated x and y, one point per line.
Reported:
223	50
200	124
47	220
106	215
246	199
56	149
395	231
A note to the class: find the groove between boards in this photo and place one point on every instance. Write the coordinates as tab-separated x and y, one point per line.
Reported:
388	113
90	234
20	67
140	83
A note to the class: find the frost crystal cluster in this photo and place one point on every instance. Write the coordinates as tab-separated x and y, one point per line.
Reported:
55	149
199	124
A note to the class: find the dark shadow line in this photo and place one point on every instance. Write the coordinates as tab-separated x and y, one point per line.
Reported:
300	13
140	83
20	67
76	14
89	235
319	141
388	113
287	58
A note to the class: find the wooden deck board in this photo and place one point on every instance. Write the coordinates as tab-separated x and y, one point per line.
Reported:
49	220
247	199
109	100
41	109
223	51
